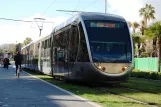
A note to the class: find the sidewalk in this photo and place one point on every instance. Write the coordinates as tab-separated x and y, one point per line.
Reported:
28	91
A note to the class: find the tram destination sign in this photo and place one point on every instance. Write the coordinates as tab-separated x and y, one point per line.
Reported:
107	25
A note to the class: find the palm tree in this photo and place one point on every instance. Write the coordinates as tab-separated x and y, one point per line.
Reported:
133	25
138	39
154	31
27	41
142	27
130	24
147	13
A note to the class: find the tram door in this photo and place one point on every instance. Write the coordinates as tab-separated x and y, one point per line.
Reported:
60	54
65	51
73	46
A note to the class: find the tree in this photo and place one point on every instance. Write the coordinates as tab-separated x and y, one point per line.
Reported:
133	25
130	24
154	31
142	27
138	39
27	41
1	50
147	13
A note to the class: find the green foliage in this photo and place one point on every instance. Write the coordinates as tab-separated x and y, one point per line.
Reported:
10	48
154	30
147	13
146	74
1	50
26	41
144	54
133	25
135	38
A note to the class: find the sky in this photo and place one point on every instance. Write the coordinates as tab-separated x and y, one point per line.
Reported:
12	31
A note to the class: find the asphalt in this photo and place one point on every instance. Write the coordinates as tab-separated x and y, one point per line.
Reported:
28	91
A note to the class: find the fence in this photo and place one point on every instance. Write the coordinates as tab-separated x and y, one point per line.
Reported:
146	64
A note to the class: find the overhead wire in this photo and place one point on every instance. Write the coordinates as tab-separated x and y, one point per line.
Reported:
91	3
48	7
47	10
77	5
22	20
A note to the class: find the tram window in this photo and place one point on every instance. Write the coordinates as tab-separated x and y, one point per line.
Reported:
49	42
42	46
36	53
82	53
66	39
45	42
55	54
60	47
74	41
38	45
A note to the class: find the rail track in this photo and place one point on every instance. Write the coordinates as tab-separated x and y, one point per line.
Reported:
105	89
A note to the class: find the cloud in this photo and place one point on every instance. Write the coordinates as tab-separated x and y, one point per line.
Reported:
10	33
129	9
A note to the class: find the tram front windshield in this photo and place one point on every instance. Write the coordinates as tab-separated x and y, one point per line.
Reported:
109	41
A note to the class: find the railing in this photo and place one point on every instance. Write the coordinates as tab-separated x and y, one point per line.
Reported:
146	64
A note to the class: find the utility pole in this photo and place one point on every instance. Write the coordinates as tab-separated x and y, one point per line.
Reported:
105	5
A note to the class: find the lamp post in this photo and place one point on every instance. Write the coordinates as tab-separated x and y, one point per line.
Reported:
105	5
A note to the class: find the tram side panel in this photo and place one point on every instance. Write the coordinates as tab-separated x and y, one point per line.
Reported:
45	56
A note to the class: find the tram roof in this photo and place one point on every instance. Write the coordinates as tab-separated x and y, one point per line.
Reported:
100	16
91	16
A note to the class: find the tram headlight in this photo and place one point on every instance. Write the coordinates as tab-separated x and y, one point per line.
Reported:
124	68
99	67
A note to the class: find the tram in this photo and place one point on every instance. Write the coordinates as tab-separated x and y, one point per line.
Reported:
89	47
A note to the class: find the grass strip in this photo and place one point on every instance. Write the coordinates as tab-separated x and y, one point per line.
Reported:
102	98
150	98
142	87
146	81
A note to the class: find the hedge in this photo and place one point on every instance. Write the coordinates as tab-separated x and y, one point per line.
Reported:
146	74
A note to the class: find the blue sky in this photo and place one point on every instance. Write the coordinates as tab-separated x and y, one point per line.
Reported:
28	9
19	9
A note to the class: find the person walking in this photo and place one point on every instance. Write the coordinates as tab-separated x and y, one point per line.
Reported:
18	61
6	63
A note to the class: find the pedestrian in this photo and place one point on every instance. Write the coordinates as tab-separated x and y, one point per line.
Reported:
6	63
3	60
18	61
